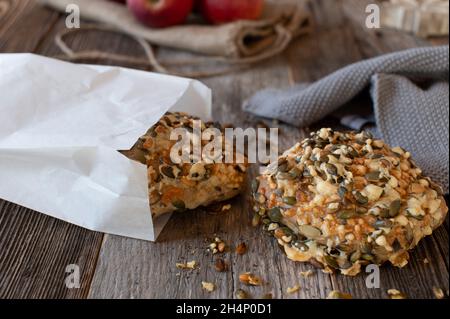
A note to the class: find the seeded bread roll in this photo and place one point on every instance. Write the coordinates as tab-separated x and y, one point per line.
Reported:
178	187
343	200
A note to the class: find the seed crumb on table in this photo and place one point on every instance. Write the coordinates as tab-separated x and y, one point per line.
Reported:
396	294
208	286
217	246
241	294
438	293
189	265
250	279
335	294
307	273
220	265
226	207
292	290
241	248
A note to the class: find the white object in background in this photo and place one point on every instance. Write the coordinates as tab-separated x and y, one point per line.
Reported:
61	125
424	18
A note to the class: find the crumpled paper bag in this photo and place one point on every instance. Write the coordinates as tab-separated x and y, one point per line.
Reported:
61	126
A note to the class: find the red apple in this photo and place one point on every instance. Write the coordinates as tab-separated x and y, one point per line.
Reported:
160	13
221	11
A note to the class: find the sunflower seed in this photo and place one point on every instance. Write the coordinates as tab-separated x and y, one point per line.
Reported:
300	245
309	231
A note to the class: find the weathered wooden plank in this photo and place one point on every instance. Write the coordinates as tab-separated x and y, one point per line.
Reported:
23	25
35	249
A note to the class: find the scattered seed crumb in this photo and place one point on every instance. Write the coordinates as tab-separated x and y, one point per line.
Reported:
438	293
267	296
306	274
335	294
241	248
328	271
220	265
292	290
217	246
396	294
226	207
256	220
189	265
241	294
426	261
250	279
208	286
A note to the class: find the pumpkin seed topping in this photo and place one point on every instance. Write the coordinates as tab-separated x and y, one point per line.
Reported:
275	214
290	200
167	171
346	214
394	208
342	191
255	185
331	261
354	257
179	204
360	198
331	169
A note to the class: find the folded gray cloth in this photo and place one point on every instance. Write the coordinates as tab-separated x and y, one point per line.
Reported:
406	115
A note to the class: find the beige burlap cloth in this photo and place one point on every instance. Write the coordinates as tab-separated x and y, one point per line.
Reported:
235	45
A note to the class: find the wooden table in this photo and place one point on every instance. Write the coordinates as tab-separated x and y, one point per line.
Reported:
35	249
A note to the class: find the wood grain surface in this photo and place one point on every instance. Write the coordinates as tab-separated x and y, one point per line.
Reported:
35	249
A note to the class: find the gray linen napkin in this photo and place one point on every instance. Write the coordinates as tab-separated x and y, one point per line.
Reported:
406	114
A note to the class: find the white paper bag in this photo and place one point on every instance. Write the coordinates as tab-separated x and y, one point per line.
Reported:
61	126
